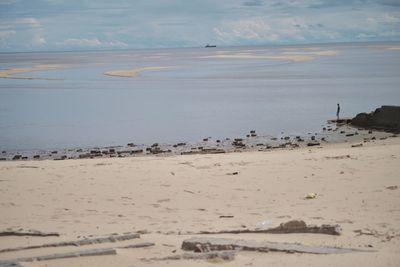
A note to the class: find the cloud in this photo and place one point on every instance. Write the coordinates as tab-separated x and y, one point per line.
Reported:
254	3
260	30
91	43
38	39
8	2
6	34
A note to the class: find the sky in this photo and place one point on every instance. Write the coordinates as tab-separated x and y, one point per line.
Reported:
60	25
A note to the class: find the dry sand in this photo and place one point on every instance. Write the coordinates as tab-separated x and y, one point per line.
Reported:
133	72
177	194
12	73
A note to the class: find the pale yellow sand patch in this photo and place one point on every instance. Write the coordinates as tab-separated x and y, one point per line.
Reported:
11	73
316	53
133	72
293	58
393	48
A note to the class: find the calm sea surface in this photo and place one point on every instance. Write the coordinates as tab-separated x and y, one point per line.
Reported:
218	92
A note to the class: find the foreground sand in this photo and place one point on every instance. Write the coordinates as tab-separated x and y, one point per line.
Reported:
177	194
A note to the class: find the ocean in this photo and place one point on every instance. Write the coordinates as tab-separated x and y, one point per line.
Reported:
184	95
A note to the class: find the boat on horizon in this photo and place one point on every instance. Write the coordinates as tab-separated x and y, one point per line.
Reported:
208	46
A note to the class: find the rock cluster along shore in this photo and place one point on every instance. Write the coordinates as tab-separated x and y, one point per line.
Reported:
385	119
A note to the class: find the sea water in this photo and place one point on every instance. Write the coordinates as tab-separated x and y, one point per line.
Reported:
202	92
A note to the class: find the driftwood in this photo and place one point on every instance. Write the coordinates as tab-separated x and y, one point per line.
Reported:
77	243
139	245
198	244
82	253
289	227
228	255
29	232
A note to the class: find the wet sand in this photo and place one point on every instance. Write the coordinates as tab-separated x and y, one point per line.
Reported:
169	198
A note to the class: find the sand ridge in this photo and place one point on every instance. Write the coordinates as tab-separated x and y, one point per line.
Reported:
134	72
12	73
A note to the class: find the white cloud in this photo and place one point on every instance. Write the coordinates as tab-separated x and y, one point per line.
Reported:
8	2
91	43
38	40
6	34
32	22
266	29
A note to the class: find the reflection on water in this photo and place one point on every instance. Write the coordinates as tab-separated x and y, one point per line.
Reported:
219	92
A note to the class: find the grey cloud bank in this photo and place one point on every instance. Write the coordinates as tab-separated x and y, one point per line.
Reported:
41	25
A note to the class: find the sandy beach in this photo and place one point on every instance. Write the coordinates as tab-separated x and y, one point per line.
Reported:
170	198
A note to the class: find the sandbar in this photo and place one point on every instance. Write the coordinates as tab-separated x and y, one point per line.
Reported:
12	73
293	58
133	72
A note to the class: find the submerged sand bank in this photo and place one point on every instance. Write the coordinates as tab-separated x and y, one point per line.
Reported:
356	187
12	73
133	72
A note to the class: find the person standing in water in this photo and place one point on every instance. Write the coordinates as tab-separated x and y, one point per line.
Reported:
338	111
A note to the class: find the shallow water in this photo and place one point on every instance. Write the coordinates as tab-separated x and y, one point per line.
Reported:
200	95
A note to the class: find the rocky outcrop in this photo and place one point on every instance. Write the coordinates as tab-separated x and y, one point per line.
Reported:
383	118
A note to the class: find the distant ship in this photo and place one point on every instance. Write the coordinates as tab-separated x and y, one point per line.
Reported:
208	46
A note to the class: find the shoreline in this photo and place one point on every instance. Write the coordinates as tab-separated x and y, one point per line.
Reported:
331	133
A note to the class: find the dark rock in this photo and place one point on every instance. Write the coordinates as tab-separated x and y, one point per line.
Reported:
313	137
357	145
79	150
3	152
3	159
137	151
205	139
383	118
111	150
131	144
36	156
253	131
54	152
24	158
350	134
313	144
84	156
17	157
154	145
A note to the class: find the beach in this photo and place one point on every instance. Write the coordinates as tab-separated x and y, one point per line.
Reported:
169	199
